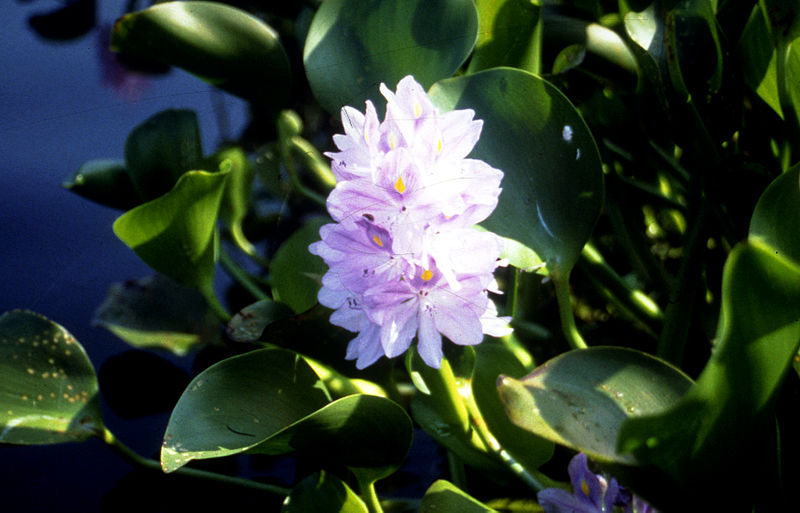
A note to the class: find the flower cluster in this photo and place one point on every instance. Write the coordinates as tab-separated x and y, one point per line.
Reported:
404	257
592	493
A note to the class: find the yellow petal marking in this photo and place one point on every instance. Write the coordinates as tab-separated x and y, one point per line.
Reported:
427	275
439	145
585	487
377	240
417	110
399	186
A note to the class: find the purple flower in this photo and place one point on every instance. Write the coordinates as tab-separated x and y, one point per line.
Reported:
404	257
592	493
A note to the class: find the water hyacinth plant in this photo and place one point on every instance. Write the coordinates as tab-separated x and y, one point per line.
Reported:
575	221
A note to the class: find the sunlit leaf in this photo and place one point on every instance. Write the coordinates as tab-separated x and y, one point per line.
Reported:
295	273
581	398
323	492
106	182
445	497
236	200
726	418
553	182
48	387
157	312
174	234
270	401
507	34
776	218
161	149
354	45
223	45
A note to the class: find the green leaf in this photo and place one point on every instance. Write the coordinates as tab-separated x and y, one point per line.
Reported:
535	136
726	417
48	387
507	34
223	45
492	360
580	399
160	150
270	401
106	182
237	403
323	493
444	497
354	45
156	312
295	273
175	234
776	218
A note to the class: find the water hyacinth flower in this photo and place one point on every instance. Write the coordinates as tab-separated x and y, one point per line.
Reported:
592	493
404	257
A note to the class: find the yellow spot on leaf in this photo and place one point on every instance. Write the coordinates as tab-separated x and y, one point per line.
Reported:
399	186
427	275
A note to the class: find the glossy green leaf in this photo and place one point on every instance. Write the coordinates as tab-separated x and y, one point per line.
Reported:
323	492
445	497
776	218
223	45
722	420
106	182
296	274
156	312
580	399
161	149
354	45
491	360
48	387
237	403
536	137
271	401
507	34
175	234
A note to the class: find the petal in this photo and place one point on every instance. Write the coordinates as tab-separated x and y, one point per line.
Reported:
556	500
429	341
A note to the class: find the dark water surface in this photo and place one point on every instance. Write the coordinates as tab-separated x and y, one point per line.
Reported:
64	103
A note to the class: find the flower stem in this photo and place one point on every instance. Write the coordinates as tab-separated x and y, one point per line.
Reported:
247	247
127	454
240	275
568	327
369	496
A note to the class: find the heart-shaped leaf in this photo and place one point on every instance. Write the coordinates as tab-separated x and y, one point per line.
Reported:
161	149
157	312
48	387
295	273
354	45
535	136
270	401
175	234
105	182
223	45
580	399
776	218
323	493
